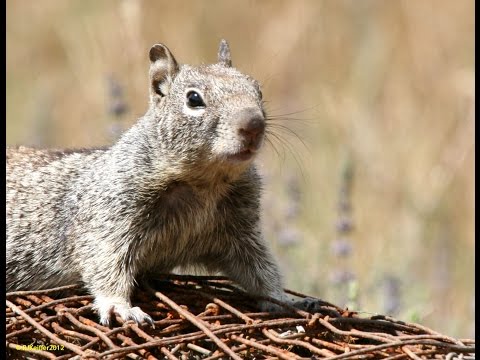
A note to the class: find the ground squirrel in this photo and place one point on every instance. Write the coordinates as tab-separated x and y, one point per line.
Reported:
179	188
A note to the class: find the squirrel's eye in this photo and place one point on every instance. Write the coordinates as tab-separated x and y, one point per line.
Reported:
194	100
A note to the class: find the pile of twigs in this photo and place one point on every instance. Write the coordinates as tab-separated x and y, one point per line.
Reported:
208	318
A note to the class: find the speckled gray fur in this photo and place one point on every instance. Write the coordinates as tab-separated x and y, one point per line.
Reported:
173	191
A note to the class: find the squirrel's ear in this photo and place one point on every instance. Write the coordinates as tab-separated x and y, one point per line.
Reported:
163	69
224	57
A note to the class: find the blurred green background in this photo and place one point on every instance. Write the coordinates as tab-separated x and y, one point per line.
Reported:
370	203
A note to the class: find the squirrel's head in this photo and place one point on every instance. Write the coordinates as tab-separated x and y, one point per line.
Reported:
208	112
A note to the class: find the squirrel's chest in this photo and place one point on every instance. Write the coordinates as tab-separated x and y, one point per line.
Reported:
179	228
180	212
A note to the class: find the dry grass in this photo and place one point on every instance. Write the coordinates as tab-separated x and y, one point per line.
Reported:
385	86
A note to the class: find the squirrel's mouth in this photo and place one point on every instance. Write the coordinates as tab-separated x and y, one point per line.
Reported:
241	156
243	151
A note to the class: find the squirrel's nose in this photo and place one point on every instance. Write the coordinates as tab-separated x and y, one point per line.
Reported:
251	127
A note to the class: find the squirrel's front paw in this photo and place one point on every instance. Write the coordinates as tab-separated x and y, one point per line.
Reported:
106	306
268	306
308	304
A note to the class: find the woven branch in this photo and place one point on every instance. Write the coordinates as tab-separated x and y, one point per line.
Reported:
208	318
